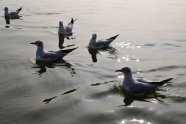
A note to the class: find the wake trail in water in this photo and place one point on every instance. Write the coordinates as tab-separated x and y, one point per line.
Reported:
47	100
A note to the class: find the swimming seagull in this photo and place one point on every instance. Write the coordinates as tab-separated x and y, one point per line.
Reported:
49	56
93	44
12	15
139	86
66	30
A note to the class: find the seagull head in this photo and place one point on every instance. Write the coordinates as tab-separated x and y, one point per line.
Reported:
38	43
6	8
60	23
94	36
125	70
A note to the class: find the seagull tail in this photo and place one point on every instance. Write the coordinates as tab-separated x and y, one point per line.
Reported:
18	10
166	81
72	20
68	50
114	37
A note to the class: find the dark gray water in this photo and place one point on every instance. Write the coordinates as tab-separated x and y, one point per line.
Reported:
77	90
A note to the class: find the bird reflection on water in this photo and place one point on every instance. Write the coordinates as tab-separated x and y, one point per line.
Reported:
7	20
109	49
93	53
44	65
62	39
129	98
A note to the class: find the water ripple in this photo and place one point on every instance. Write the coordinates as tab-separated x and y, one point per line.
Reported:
166	68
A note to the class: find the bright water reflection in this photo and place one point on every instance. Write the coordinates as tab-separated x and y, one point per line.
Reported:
110	50
136	121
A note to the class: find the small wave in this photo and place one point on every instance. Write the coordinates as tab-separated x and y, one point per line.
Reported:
166	68
168	44
182	40
150	45
47	13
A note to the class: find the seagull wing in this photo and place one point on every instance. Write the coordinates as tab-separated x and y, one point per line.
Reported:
70	25
162	82
141	88
109	40
105	42
62	53
13	14
143	85
100	44
48	56
143	80
68	29
18	10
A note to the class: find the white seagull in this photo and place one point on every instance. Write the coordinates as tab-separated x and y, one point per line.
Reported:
12	15
49	56
99	44
66	30
139	86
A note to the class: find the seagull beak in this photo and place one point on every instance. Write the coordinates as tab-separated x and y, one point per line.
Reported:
118	71
33	43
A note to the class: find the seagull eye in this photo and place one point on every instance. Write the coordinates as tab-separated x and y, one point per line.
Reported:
126	70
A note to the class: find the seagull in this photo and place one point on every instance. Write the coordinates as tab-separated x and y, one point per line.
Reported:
99	44
66	30
49	56
139	86
12	15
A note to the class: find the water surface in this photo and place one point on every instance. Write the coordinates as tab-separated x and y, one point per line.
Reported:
79	90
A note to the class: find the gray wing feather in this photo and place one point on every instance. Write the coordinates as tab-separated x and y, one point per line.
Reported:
102	43
142	88
13	14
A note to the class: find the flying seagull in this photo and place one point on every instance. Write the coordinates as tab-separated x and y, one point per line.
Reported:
139	86
49	56
99	44
66	30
